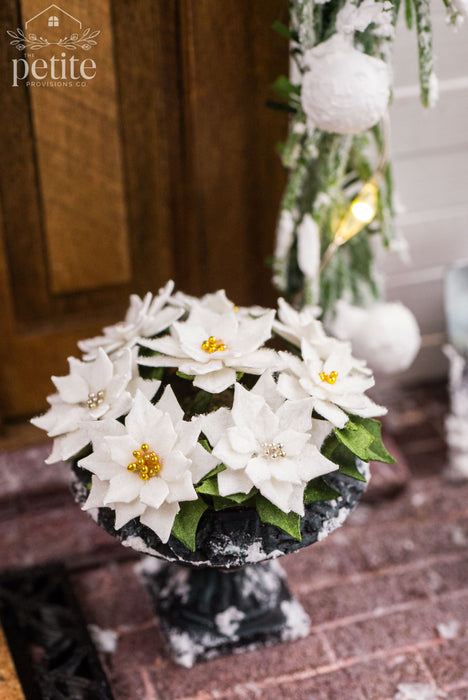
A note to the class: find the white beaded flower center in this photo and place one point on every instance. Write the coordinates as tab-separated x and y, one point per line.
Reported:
95	400
273	450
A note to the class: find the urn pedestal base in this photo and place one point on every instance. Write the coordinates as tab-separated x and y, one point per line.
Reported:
206	612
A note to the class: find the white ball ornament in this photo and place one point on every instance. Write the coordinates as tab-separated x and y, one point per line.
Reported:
386	335
344	91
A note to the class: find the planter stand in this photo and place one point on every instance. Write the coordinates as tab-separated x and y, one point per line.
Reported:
230	595
207	612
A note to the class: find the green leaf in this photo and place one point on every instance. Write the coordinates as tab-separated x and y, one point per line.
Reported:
190	377
319	490
284	88
280	106
288	522
202	402
282	29
409	14
186	522
356	438
340	455
222	503
220	468
242	497
204	443
209	487
377	450
350	469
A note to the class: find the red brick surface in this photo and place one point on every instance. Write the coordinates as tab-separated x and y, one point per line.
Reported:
377	591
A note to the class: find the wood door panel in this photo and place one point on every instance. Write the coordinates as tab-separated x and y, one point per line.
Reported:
163	166
232	57
79	161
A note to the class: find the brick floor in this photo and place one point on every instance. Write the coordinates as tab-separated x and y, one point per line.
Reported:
387	593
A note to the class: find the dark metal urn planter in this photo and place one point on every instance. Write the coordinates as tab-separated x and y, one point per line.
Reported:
229	595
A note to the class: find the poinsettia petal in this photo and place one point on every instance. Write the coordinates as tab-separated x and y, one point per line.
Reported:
96	495
261	469
202	462
266	424
254	332
246	406
121	448
188	432
160	520
182	490
144	419
331	412
230	482
127	511
215	382
216	424
100	464
228	456
154	492
169	404
297	414
321	429
293	441
296	499
123	488
67	446
167	345
99	372
72	389
278	492
290	388
173	465
311	463
242	439
265	386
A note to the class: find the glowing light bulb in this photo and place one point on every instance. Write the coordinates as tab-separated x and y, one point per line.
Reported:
362	211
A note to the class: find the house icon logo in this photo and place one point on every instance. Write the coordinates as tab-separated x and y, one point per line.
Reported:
53	27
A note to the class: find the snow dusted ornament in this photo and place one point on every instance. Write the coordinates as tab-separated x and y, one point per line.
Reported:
344	90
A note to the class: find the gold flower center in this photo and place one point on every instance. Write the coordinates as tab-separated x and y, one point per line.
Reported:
95	400
213	345
273	450
329	378
146	463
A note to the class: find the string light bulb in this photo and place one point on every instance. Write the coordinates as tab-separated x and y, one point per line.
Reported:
361	212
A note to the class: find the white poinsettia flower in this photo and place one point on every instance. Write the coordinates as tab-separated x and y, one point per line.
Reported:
144	318
268	443
336	383
91	392
213	346
146	467
217	302
296	326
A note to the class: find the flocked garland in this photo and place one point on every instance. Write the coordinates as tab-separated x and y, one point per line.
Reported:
337	95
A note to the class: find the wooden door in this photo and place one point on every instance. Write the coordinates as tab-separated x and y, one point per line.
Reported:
161	165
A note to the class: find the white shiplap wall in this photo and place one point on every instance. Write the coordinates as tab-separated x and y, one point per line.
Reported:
430	154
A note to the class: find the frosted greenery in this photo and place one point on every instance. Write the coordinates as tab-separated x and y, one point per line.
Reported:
326	170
